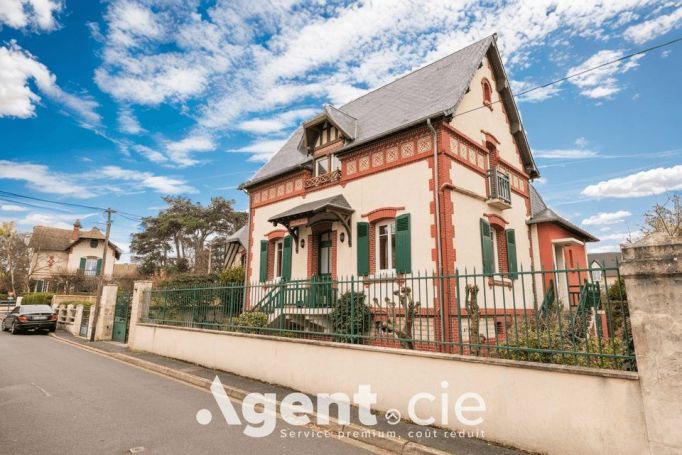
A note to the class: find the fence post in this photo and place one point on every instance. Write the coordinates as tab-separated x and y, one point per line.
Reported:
652	269
105	322
139	307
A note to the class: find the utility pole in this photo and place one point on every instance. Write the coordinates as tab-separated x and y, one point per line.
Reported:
100	280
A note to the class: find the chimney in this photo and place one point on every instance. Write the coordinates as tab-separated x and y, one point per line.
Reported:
76	230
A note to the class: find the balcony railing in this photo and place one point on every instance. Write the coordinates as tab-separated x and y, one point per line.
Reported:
323	179
500	188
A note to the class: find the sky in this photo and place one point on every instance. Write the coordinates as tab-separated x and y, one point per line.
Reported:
118	103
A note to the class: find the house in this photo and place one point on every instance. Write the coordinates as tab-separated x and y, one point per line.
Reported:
604	267
560	246
236	248
429	174
57	252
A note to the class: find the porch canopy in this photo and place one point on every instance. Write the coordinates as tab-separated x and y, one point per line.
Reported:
335	208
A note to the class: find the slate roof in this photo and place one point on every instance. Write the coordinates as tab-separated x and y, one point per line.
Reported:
608	260
56	239
241	236
540	213
336	202
429	92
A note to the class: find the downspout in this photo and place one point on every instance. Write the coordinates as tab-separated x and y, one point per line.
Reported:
439	244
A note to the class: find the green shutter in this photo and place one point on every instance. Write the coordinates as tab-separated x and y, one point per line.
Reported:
99	267
286	259
403	247
363	248
82	265
487	247
511	254
263	261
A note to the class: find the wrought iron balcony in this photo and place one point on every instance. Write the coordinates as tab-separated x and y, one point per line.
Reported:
500	189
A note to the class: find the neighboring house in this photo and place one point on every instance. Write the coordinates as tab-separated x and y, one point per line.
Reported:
236	248
560	246
427	173
69	251
604	267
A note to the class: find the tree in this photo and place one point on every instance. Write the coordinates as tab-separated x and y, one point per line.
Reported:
666	218
14	258
401	327
178	237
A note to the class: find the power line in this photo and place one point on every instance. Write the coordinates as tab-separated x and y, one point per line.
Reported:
580	73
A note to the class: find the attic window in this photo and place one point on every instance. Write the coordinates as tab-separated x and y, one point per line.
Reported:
328	133
487	92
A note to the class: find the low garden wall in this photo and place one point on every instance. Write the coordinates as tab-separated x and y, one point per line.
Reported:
545	408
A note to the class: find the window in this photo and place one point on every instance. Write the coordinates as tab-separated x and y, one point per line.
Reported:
279	255
322	166
327	164
93	243
90	266
328	134
386	246
487	92
496	253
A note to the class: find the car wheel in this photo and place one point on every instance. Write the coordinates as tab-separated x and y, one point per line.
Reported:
14	328
52	329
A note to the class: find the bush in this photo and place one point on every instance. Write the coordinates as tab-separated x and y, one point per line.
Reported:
251	322
557	336
350	317
617	291
37	298
233	275
75	303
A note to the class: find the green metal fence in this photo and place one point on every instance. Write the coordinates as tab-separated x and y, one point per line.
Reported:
550	316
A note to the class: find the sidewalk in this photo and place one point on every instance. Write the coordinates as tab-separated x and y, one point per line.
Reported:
409	437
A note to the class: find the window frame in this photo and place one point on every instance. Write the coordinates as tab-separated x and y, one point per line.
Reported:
333	163
278	259
94	243
391	246
90	260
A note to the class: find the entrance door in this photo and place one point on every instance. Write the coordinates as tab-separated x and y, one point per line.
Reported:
322	286
121	318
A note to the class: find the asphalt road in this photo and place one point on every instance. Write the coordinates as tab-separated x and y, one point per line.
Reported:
59	399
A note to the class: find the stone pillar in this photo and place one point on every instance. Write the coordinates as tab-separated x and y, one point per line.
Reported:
105	320
76	328
652	269
139	308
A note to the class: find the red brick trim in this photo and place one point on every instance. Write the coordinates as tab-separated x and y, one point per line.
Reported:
382	213
276	234
487	100
496	220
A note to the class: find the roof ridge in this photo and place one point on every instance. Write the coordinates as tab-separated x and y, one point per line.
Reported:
409	73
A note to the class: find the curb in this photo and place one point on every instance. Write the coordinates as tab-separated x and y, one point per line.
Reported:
353	431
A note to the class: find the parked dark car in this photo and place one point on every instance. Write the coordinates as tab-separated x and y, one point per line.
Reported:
30	318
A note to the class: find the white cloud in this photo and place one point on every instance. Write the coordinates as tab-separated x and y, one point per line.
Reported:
17	98
567	154
180	152
63	221
127	123
40	178
151	154
12	208
607	218
540	181
38	14
645	31
261	150
536	95
646	183
278	122
601	82
159	183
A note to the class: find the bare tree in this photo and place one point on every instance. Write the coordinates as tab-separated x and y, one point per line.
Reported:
401	327
14	256
666	218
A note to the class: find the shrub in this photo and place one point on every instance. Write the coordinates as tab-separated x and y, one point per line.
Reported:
37	298
617	291
232	275
524	342
251	322
75	303
350	317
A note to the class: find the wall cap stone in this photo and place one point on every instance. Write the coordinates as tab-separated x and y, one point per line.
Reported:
656	254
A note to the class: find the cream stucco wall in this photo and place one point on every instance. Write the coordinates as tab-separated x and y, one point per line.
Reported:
83	249
69	261
40	263
405	186
540	408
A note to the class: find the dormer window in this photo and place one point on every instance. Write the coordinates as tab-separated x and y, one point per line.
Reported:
327	164
329	133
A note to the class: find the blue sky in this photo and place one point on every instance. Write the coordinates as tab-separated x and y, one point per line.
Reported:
117	103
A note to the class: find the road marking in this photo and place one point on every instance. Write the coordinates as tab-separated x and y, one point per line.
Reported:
41	389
